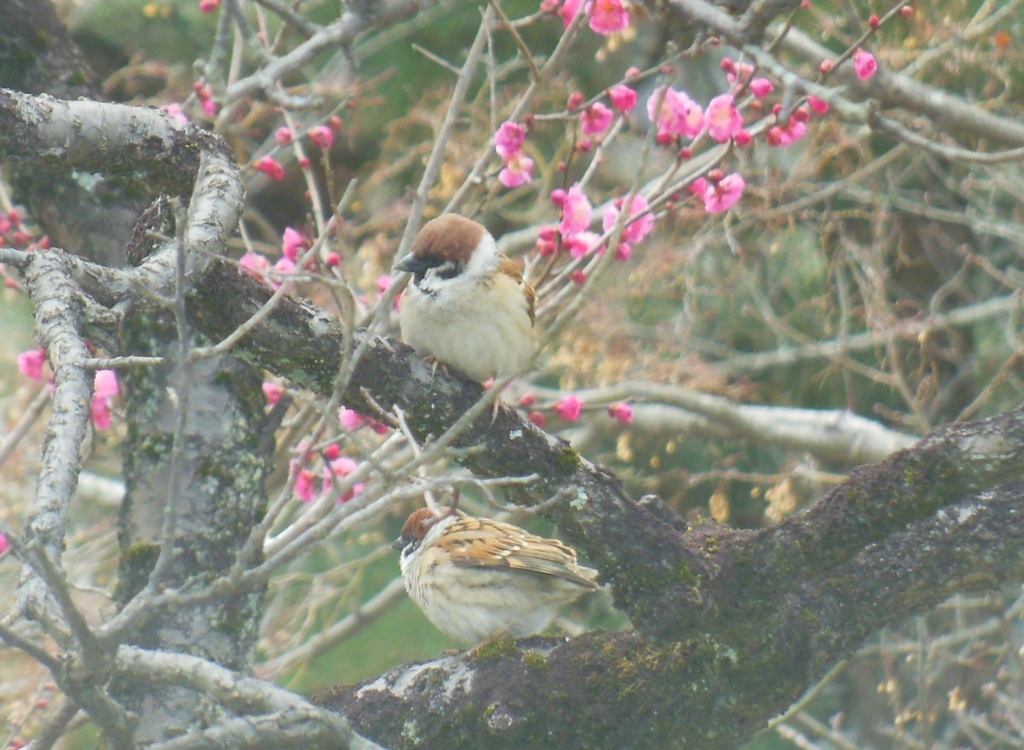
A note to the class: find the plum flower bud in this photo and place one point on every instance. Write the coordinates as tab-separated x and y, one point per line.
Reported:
322	136
569	408
270	167
30	363
864	64
818	105
761	87
623	98
273	392
622	412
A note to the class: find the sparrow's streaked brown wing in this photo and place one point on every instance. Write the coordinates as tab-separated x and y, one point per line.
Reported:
508	267
483	543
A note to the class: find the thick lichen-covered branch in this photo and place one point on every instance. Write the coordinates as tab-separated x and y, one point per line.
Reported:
739	622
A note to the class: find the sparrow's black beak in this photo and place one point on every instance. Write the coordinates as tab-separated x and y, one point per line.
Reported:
398	544
416	265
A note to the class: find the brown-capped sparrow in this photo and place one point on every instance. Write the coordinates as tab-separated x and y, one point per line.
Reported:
475	578
467	305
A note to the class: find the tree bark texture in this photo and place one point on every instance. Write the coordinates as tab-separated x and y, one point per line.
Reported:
730	626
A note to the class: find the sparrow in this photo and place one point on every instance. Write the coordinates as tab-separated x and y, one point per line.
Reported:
475	578
467	306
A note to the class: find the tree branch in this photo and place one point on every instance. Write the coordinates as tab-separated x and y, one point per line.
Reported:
705	603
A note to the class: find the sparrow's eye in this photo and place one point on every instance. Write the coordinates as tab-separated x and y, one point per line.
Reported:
449	269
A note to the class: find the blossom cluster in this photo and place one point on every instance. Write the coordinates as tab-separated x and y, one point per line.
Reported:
311	485
322	137
32	364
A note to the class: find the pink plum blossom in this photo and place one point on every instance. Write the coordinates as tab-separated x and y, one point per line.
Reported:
99	409
818	105
722	118
305	481
208	6
280	271
569	408
341	467
292	241
350	419
508	142
254	264
787	134
284	267
622	412
283	136
322	136
678	114
273	392
597	119
509	139
864	64
518	170
576	212
105	387
739	74
623	98
175	111
581	243
105	384
637	230
607	16
4	545
569	10
30	363
720	197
